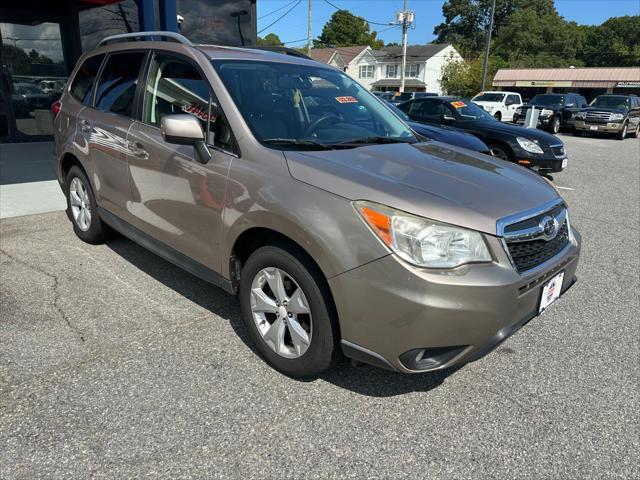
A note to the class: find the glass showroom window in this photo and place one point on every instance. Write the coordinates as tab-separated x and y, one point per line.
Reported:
366	71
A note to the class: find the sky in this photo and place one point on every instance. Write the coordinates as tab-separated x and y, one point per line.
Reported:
292	29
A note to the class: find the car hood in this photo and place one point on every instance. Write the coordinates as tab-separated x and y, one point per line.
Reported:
449	135
487	104
509	129
624	111
433	180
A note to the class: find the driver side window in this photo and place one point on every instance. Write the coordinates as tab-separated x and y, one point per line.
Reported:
175	86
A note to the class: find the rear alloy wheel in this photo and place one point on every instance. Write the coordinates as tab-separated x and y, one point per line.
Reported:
636	132
287	310
82	208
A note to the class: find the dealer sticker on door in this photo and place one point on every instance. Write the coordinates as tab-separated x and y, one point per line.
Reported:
551	291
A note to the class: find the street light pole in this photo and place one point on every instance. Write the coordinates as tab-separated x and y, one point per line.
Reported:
404	46
488	46
309	30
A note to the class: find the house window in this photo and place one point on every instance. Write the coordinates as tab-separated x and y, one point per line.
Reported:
411	70
392	71
366	71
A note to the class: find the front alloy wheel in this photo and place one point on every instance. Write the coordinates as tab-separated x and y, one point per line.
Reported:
281	312
555	127
288	310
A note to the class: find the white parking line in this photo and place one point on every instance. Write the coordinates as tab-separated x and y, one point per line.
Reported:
565	188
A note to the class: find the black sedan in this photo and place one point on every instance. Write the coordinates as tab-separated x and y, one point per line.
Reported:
443	134
529	147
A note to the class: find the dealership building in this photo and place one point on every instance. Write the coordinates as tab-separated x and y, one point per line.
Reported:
588	82
40	41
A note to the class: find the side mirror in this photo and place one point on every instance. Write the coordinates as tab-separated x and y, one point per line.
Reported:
570	105
183	129
448	118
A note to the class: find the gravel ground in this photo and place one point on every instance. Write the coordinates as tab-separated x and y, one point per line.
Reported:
115	364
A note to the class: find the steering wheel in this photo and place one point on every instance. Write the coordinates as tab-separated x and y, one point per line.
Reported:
319	121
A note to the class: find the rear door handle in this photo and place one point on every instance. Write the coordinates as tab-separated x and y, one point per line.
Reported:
85	126
138	150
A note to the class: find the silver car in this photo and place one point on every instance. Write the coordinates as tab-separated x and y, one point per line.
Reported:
285	182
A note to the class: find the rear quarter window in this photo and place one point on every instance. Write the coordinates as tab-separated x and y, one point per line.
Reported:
82	84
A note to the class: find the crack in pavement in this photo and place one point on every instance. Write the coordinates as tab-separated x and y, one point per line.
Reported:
56	291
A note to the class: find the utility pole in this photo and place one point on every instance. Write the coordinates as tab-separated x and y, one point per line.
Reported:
309	30
488	46
404	45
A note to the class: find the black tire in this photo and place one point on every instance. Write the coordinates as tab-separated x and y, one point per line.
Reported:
623	132
498	116
636	132
97	232
323	349
502	152
555	126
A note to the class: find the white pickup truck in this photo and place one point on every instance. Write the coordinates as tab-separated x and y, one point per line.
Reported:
501	105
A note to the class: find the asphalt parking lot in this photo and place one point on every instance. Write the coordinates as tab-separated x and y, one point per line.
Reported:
116	364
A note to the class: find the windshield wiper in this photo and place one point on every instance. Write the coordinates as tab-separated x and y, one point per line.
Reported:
297	142
373	140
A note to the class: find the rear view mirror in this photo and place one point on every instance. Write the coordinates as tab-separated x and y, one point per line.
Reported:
185	129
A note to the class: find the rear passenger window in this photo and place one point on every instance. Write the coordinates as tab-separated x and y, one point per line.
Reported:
82	84
117	85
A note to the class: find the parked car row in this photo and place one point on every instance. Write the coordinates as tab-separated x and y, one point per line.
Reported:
609	113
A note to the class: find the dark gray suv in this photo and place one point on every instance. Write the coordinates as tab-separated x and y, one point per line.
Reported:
285	182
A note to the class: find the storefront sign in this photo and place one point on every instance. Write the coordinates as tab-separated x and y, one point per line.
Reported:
628	85
543	83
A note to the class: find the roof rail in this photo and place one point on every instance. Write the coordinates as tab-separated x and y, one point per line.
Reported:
279	49
125	36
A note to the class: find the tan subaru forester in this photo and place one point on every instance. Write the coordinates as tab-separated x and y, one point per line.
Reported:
284	181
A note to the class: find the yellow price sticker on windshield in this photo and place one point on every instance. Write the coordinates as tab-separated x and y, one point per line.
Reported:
458	104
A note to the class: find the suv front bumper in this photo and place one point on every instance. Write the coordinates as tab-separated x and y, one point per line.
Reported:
393	314
610	127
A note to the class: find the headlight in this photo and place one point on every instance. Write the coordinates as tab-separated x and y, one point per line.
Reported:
529	145
423	242
546	113
581	115
617	117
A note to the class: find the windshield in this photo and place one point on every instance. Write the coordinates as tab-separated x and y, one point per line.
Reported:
611	101
489	97
467	111
553	101
300	106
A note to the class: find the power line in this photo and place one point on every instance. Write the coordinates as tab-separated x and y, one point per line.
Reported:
276	10
368	21
280	17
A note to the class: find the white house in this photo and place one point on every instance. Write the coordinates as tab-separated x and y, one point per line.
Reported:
380	69
423	70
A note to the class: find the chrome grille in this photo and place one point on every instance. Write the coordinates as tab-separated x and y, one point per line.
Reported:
530	244
598	117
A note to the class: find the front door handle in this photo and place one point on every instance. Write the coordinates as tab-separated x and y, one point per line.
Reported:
85	126
138	150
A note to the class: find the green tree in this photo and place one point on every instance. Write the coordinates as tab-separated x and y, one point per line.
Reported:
614	43
465	21
270	40
532	39
345	30
463	78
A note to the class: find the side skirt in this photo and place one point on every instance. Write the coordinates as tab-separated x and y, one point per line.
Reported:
164	251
